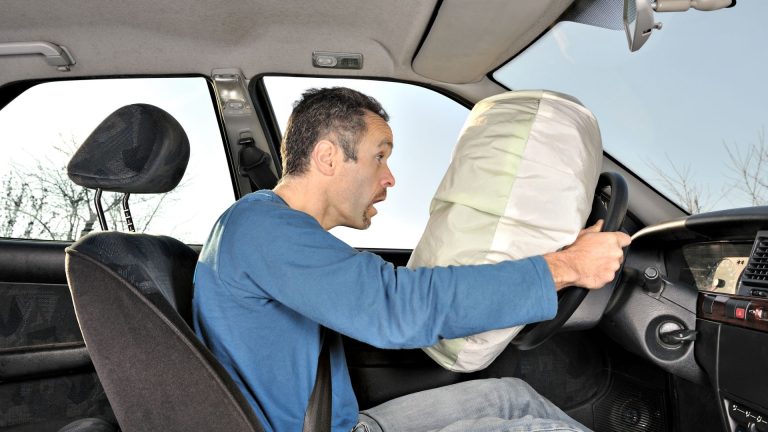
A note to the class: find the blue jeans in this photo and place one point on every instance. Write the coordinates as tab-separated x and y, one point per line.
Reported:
490	405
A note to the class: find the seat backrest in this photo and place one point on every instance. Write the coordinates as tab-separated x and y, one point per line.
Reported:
132	292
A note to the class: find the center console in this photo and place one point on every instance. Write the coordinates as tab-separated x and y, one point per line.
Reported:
738	361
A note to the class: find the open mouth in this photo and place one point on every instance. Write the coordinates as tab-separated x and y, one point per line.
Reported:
379	198
375	201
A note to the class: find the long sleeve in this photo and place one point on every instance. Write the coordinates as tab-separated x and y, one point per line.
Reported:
285	256
268	277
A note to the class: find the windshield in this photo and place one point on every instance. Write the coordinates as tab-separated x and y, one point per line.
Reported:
686	112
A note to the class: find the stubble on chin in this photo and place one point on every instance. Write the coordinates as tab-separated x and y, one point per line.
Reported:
366	220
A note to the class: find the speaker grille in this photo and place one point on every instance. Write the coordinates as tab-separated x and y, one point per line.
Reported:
629	408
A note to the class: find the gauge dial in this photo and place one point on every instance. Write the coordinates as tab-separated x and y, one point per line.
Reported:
726	274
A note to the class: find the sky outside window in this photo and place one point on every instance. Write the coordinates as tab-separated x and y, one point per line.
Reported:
425	125
694	91
40	129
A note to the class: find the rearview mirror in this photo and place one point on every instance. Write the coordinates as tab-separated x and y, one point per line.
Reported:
638	22
638	15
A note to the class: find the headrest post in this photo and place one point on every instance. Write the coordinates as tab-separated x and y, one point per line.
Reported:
127	213
100	211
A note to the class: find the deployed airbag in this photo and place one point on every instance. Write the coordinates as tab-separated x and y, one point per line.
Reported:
521	183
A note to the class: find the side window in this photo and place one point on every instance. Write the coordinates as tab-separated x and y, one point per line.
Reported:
425	125
42	128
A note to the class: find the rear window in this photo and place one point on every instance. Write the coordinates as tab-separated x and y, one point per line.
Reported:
42	128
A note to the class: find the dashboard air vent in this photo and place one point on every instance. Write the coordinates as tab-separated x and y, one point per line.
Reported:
756	272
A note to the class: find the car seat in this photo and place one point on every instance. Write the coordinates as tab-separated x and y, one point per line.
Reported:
132	292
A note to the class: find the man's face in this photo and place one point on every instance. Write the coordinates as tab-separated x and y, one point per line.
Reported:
364	182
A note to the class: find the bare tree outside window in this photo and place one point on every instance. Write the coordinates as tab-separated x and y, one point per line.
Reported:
689	194
746	176
41	202
748	169
42	127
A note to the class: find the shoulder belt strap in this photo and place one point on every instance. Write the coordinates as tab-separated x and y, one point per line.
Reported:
318	415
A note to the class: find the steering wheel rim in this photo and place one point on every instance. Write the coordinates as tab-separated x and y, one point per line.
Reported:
570	298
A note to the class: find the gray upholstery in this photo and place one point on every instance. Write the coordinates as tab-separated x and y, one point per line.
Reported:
160	268
132	292
89	425
155	372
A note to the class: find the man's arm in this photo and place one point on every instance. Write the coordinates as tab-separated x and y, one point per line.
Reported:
591	261
274	257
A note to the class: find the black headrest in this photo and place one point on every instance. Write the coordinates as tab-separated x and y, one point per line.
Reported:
137	149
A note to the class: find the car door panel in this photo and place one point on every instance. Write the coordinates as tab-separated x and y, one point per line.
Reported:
46	377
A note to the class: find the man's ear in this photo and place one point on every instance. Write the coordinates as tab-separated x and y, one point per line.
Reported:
324	157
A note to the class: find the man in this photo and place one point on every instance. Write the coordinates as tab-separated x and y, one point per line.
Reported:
271	277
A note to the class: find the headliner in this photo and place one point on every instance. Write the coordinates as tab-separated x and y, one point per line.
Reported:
145	37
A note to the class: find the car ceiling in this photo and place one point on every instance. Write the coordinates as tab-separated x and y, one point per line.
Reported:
449	43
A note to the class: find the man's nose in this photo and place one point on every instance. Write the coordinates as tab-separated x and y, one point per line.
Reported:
389	179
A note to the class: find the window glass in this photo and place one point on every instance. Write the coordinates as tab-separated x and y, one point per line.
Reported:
41	129
686	112
425	125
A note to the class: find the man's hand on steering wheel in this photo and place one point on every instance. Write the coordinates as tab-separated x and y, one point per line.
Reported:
591	261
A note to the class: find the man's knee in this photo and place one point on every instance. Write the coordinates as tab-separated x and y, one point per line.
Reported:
515	385
509	392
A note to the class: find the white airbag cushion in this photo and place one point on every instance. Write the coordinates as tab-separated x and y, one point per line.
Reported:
520	184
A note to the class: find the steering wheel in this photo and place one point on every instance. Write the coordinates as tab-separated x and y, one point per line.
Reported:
570	298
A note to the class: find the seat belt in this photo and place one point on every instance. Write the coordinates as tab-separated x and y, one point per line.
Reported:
255	164
317	418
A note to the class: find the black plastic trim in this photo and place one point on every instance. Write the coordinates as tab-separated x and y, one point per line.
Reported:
741	359
398	257
41	360
739	224
39	261
11	91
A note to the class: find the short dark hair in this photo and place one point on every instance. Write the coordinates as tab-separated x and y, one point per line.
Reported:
337	113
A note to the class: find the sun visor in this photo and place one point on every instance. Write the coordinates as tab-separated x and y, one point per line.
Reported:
469	39
521	183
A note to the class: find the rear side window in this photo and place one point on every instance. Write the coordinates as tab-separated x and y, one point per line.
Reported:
425	125
42	128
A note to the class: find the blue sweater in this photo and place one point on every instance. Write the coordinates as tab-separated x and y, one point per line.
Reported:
269	276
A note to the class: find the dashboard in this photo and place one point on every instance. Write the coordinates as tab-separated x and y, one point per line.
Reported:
693	299
715	266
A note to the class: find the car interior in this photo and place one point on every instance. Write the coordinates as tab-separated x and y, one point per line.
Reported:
95	330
